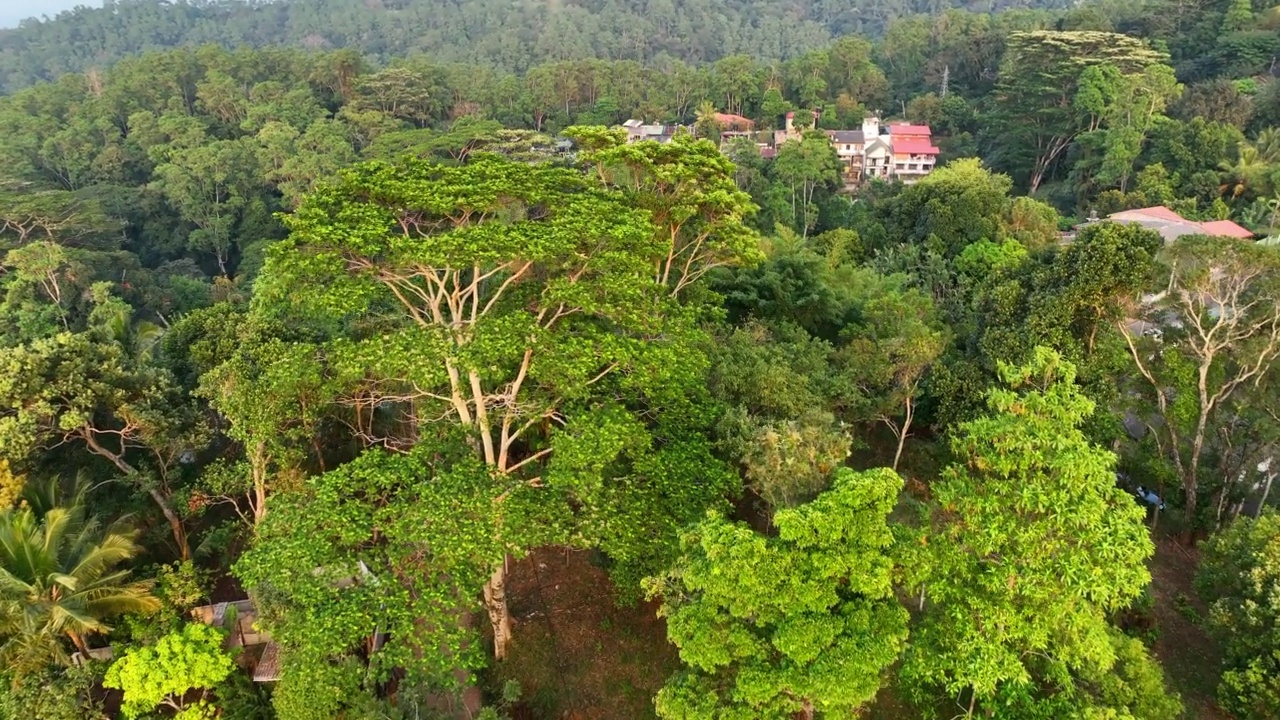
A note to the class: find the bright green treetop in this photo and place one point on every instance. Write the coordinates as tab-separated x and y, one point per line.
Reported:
397	544
769	627
1030	544
164	674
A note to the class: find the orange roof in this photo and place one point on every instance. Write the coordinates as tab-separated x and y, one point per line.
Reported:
1156	211
1225	228
913	145
732	120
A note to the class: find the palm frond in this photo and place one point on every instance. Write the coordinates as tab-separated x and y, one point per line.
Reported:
60	573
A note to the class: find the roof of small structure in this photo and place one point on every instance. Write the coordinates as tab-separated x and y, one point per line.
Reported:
1172	226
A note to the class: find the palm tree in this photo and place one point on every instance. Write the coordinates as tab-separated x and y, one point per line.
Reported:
112	321
59	578
1268	144
1247	174
705	123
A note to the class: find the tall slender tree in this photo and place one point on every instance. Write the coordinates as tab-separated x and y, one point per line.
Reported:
1027	548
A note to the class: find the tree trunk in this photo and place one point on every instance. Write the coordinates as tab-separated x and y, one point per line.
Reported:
902	435
1266	490
1191	479
1037	175
175	523
1222	506
258	462
495	602
78	640
1189	532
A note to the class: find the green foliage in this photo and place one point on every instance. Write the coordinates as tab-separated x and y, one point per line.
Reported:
1136	684
1133	688
770	626
950	208
1240	579
1028	547
394	544
60	579
486	341
52	693
165	673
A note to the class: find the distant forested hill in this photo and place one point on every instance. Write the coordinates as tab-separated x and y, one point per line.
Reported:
511	34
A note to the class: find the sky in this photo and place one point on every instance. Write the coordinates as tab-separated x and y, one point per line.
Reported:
12	11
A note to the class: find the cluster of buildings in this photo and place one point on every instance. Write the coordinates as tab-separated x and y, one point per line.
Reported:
893	151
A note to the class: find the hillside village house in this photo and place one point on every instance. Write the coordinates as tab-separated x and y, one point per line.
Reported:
898	151
638	131
1172	226
894	151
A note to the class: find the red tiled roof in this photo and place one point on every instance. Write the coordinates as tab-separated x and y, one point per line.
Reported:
912	145
906	129
1225	228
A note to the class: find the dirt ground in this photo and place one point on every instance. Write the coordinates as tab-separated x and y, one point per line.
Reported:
576	655
1189	656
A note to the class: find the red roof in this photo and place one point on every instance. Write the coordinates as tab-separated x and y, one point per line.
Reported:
906	129
913	145
1225	228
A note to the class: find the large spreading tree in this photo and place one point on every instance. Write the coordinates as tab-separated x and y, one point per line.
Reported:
532	315
1055	86
1220	316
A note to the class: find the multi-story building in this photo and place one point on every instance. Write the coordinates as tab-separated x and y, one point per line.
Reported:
901	151
914	154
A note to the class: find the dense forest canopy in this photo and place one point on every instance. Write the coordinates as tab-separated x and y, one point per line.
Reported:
506	35
353	364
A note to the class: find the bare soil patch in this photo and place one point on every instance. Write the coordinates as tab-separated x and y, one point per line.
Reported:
576	654
1190	657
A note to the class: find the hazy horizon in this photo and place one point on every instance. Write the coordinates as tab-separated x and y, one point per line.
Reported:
14	11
